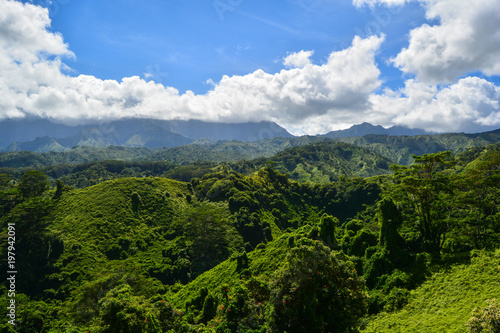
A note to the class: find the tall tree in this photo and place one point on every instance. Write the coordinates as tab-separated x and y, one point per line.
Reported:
33	183
478	200
424	189
319	291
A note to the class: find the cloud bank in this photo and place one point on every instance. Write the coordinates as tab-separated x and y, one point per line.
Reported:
303	97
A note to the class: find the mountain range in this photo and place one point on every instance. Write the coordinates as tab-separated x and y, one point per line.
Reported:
41	135
130	141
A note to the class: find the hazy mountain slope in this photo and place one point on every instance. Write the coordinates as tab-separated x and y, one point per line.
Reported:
251	131
39	145
129	133
28	129
367	128
211	151
77	155
394	148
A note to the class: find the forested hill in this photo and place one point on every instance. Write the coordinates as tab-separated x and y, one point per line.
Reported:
320	162
227	252
396	148
221	151
400	148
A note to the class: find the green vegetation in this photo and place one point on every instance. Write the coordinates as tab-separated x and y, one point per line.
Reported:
445	302
296	242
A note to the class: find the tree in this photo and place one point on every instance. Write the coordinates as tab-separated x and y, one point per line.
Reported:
319	291
59	189
390	221
33	183
35	244
123	312
327	229
9	195
423	189
478	201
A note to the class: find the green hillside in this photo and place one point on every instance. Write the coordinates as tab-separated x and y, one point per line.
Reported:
444	303
400	148
208	151
75	246
256	251
395	148
322	162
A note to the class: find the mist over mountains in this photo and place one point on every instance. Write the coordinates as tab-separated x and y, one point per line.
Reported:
42	135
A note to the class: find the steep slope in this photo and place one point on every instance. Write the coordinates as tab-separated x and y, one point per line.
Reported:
128	133
39	145
444	302
135	221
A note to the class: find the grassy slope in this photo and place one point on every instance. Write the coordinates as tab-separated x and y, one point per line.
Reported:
93	220
445	301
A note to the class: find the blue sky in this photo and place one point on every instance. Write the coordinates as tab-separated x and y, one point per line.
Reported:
310	65
185	43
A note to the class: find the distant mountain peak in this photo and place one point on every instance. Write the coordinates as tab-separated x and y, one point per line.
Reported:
367	129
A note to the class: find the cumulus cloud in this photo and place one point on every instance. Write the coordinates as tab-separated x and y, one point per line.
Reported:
465	40
23	32
32	82
298	59
304	97
470	105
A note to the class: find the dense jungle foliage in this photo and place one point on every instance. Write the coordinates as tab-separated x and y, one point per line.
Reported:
243	247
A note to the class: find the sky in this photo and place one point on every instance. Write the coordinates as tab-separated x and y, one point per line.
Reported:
311	66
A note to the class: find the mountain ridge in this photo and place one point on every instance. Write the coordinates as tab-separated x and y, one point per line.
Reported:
367	128
42	135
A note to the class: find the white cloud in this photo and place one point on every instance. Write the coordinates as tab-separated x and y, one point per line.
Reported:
298	59
470	105
304	97
23	34
465	40
33	84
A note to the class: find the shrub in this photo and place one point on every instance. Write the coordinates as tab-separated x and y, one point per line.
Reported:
485	320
